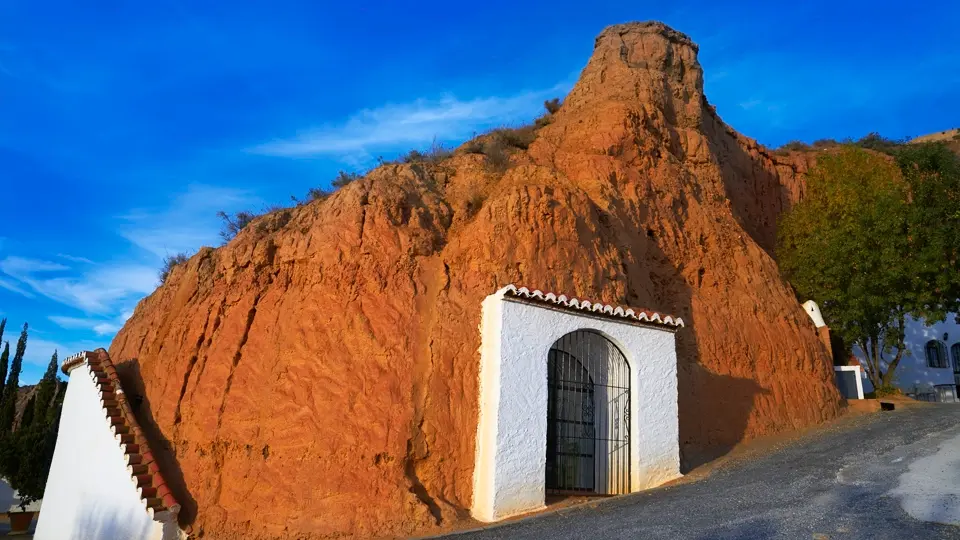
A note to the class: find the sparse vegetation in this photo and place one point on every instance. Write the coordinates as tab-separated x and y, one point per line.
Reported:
794	146
413	156
317	194
495	146
520	137
552	105
543	121
475	203
496	157
234	223
820	144
169	262
871	141
878	143
473	146
343	178
435	154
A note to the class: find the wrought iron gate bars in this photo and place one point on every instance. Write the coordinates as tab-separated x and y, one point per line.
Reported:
588	415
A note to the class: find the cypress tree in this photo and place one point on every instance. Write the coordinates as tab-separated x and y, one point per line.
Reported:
29	412
53	413
45	390
9	409
4	364
13	382
5	359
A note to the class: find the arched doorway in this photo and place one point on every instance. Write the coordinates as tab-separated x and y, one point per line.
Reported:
588	416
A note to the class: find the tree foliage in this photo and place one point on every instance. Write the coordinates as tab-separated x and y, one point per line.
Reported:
46	389
8	409
878	143
26	450
873	243
4	365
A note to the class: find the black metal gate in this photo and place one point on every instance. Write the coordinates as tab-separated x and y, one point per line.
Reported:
588	416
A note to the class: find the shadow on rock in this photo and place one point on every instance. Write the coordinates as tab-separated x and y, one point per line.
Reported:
163	450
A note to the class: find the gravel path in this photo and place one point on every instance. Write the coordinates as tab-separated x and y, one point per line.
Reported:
854	480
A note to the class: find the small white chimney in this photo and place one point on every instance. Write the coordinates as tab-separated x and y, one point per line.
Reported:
814	312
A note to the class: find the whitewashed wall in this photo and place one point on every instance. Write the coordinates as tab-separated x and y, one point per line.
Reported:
913	373
512	431
89	492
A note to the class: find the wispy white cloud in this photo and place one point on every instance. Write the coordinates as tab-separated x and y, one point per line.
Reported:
73	258
99	326
13	287
94	291
418	122
106	292
14	266
187	223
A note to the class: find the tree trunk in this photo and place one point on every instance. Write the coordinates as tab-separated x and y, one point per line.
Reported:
888	376
873	363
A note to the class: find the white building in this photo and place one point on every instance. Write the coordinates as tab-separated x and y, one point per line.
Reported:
574	397
930	367
103	481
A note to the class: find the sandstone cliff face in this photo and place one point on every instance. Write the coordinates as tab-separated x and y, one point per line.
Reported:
317	376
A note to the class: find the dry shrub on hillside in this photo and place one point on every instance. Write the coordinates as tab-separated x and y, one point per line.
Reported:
169	263
435	154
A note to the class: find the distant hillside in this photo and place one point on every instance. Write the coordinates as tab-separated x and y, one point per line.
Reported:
950	136
946	135
24	393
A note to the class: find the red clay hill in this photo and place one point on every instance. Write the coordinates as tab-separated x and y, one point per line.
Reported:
318	375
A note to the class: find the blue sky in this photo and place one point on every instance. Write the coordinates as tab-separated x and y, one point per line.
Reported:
125	126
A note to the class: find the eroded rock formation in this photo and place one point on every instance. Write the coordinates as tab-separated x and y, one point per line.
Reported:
317	376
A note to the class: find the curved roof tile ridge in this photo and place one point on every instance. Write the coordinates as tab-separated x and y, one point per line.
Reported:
621	312
145	474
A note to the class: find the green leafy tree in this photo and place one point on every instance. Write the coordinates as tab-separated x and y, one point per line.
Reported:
860	245
932	172
3	325
45	390
8	409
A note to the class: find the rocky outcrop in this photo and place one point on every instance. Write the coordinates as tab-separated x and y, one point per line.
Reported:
317	376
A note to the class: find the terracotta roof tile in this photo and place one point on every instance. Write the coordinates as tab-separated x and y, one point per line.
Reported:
144	473
596	308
